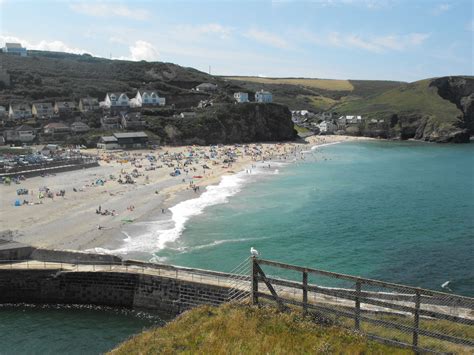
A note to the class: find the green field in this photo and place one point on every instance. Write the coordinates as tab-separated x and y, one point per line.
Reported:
418	97
324	84
241	329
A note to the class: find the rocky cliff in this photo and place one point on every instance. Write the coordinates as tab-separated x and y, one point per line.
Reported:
227	124
436	110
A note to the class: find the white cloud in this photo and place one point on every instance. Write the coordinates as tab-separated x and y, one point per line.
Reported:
110	9
55	46
267	38
142	50
440	8
376	44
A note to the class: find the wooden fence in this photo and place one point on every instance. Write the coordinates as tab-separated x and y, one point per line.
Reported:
415	312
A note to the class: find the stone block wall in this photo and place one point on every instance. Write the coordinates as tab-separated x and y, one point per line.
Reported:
130	290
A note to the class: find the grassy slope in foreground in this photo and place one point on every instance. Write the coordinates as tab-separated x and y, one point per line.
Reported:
234	329
418	97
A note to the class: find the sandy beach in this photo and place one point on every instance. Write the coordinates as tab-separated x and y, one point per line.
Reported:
97	204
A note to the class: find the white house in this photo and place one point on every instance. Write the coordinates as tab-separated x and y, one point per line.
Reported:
263	96
14	48
326	127
116	99
149	98
241	97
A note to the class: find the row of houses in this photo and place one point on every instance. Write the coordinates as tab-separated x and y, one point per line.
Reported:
48	110
260	96
27	134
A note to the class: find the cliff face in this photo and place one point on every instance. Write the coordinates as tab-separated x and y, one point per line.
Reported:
228	124
436	110
459	91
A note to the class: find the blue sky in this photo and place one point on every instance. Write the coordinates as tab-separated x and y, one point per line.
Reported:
339	39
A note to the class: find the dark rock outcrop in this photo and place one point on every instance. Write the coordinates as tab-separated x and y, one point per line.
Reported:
460	91
227	124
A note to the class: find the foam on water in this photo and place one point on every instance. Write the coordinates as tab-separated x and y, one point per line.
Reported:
159	233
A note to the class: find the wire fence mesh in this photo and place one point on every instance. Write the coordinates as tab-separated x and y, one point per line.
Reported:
406	316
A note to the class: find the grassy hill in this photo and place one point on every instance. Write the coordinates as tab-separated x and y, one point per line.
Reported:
233	329
313	94
418	97
52	75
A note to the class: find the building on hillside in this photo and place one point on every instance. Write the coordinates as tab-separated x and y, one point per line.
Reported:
88	104
14	48
116	100
327	127
42	110
148	98
206	87
128	140
110	122
19	111
64	108
56	128
187	114
241	97
107	143
23	134
353	119
79	127
132	120
263	96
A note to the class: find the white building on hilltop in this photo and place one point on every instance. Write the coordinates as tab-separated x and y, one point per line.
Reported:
14	48
241	97
263	96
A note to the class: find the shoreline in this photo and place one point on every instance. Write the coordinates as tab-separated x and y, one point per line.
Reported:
46	224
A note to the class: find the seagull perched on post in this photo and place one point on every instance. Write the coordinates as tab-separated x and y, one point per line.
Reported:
254	252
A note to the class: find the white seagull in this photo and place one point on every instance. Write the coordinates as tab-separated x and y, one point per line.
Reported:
445	286
254	251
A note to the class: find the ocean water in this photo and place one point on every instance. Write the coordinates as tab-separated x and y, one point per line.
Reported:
396	211
29	329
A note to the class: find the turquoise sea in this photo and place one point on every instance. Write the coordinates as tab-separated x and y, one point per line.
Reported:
396	211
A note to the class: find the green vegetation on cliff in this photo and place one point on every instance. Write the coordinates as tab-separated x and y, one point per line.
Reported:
240	329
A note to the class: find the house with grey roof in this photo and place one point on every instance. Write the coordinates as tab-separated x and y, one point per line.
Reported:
147	97
127	140
116	100
64	108
14	48
42	110
19	111
88	104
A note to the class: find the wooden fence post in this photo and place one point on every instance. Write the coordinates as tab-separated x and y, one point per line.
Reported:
357	305
254	281
416	316
305	292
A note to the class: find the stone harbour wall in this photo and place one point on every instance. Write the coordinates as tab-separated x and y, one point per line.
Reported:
116	289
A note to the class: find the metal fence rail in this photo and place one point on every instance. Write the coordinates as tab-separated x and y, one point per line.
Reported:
423	320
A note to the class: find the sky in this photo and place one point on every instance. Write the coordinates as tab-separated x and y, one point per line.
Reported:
404	40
